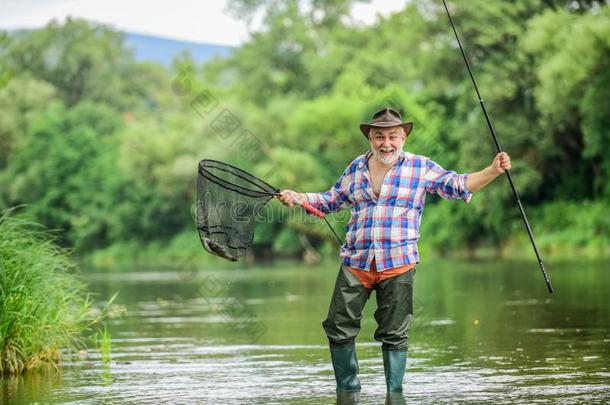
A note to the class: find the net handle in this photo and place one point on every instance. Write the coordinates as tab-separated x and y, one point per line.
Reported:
309	208
306	206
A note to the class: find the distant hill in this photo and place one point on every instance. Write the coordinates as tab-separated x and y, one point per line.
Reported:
163	50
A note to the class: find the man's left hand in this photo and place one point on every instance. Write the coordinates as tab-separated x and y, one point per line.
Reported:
501	162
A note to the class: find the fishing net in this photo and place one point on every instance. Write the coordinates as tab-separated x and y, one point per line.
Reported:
228	200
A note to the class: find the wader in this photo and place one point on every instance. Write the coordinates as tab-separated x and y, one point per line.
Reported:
393	315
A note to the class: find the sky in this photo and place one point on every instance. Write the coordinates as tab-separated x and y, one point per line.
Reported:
191	20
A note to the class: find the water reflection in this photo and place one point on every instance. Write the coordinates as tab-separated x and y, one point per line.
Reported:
354	398
395	399
31	387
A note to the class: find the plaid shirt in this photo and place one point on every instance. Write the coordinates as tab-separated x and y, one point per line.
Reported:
387	228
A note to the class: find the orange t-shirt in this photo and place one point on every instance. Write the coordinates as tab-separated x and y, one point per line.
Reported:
370	278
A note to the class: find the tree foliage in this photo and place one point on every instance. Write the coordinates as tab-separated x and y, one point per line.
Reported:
106	148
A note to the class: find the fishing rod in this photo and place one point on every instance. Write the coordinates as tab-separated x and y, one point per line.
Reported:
495	138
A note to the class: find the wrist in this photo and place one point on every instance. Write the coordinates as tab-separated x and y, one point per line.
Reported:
492	171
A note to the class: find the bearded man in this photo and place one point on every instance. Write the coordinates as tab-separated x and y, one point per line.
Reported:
386	189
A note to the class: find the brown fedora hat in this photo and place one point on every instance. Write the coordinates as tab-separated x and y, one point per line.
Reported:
386	118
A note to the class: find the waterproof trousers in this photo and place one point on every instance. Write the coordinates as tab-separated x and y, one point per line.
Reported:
393	314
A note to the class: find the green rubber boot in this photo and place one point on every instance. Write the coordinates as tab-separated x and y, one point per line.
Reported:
346	368
394	365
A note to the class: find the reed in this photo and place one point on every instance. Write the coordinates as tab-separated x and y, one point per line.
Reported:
104	345
44	307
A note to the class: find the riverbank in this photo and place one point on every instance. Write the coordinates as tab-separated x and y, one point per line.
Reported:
186	250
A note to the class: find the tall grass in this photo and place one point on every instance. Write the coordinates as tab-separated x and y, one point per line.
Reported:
44	307
104	344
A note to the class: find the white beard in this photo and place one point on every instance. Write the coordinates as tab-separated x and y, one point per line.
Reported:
387	159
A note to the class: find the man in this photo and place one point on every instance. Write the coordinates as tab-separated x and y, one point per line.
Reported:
386	189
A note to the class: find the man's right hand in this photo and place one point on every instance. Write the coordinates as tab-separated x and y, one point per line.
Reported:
290	198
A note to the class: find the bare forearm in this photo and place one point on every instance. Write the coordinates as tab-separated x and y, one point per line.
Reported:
477	180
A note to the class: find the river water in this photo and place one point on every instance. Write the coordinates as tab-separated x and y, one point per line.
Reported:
485	331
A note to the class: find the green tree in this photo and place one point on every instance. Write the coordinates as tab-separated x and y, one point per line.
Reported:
83	61
571	55
61	171
21	100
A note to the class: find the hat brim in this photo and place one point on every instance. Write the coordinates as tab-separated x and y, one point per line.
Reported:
365	128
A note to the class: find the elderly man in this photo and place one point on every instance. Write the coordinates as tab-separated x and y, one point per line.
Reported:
386	189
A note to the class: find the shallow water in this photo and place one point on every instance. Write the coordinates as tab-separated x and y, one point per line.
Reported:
483	331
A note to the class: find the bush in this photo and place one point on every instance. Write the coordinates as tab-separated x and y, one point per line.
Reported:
43	306
571	227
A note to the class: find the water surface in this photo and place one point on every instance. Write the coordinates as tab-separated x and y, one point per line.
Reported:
483	331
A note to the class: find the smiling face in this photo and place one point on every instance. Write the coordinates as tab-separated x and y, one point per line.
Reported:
387	143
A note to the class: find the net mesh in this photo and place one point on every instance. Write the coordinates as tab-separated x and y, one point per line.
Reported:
228	200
